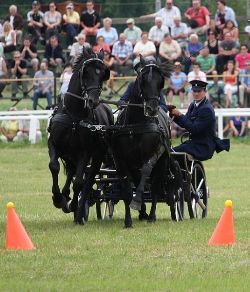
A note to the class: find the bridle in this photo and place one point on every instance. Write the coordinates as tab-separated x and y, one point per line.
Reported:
84	88
140	73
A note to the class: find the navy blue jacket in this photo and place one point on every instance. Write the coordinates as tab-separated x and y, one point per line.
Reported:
200	122
128	92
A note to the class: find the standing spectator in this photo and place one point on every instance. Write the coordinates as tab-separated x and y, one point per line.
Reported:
179	32
3	74
212	43
242	58
64	81
176	84
169	48
16	21
157	32
244	84
144	47
44	86
101	45
230	82
54	54
223	14
9	38
227	51
198	17
167	13
77	47
232	29
193	50
52	21
71	23
35	22
90	20
29	54
132	32
108	32
18	71
122	52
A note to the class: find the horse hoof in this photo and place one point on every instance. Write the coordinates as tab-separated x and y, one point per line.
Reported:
66	208
135	205
151	219
143	217
126	226
58	203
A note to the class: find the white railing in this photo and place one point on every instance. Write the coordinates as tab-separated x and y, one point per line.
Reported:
33	116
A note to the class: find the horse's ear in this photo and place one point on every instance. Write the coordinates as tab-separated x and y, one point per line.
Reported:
142	61
101	54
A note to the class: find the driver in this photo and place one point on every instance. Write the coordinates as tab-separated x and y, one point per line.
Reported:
200	122
125	97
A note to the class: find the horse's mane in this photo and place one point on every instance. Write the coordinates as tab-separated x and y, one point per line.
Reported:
166	67
86	54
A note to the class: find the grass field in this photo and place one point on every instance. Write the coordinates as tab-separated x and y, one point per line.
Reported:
102	256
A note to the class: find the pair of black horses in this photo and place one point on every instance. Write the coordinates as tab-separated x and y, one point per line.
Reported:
82	131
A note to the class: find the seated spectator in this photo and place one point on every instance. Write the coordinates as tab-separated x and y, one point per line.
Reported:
35	23
198	17
108	32
43	87
9	129
223	14
193	50
176	84
52	20
90	20
71	23
16	21
212	43
237	125
167	13
64	81
101	45
247	30
109	62
9	38
29	54
54	54
18	71
132	32
195	74
179	32
3	74
157	32
122	52
230	82
77	47
144	47
169	49
207	65
232	29
242	58
244	84
227	51
24	130
214	28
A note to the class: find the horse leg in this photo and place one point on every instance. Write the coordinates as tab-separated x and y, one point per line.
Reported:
54	167
66	190
155	189
126	191
95	167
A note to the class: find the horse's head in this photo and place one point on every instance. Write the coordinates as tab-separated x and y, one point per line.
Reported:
150	77
91	71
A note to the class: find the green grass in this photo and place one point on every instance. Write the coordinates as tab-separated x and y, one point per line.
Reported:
102	256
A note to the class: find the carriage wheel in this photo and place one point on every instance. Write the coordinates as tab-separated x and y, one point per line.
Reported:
104	209
86	210
197	205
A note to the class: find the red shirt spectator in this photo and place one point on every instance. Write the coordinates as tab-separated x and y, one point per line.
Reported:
242	58
101	45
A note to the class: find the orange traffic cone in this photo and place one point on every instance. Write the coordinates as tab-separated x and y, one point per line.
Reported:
16	235
224	231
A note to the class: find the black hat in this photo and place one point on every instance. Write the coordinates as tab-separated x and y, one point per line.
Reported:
198	85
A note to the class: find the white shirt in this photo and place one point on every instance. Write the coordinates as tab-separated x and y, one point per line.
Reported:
156	34
167	15
142	48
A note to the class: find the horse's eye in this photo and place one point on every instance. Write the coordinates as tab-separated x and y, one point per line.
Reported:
97	71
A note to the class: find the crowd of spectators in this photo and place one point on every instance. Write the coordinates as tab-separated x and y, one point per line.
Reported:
200	46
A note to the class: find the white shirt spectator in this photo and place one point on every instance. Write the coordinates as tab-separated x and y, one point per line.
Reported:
167	15
144	48
156	34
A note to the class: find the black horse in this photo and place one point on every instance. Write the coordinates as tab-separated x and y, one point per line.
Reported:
141	146
73	135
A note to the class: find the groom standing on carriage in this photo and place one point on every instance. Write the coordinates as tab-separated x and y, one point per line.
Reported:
199	121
